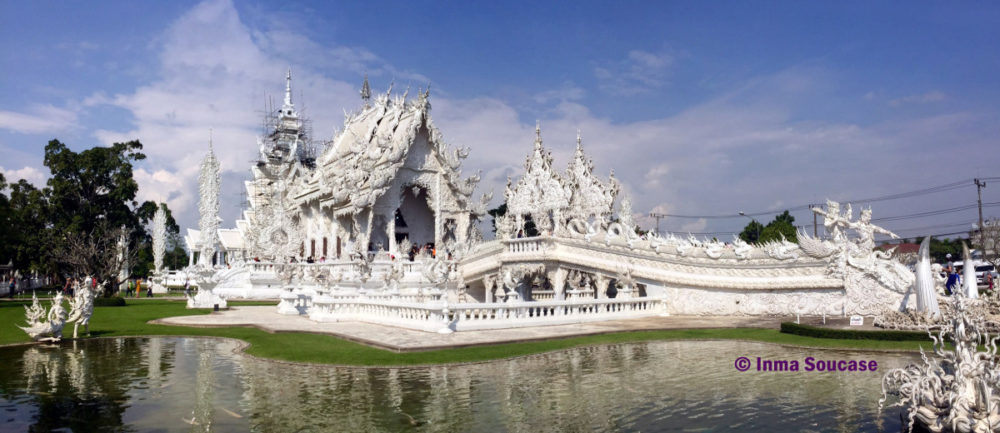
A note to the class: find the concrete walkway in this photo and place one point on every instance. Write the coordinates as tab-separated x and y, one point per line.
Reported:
267	319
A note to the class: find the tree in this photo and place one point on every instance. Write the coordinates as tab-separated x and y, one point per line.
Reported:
28	234
73	225
751	233
97	253
781	227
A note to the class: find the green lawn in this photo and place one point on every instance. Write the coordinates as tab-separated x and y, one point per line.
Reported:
132	319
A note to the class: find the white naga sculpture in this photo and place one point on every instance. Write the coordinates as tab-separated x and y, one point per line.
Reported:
51	328
957	391
204	274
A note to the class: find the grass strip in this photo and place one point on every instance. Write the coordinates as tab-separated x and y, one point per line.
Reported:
853	334
131	320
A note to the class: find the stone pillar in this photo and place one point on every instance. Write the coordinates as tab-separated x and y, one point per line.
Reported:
191	258
557	278
490	284
601	282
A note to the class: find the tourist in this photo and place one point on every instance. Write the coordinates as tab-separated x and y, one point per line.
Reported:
187	288
989	281
66	287
11	287
149	292
138	287
949	287
129	287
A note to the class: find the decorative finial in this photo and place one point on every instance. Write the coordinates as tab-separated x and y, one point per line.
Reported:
366	91
538	133
288	88
209	139
579	140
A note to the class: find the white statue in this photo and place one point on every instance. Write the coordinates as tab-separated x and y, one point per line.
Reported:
957	392
51	328
35	313
81	306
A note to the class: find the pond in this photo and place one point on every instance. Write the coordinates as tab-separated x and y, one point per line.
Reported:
198	384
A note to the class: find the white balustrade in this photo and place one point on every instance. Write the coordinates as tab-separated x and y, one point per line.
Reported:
438	315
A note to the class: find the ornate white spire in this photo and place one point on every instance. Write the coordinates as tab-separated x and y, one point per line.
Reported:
538	134
288	89
366	91
159	238
208	206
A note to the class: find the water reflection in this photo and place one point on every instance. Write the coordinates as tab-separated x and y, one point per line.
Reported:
200	385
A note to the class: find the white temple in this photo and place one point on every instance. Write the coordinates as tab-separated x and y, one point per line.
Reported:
329	227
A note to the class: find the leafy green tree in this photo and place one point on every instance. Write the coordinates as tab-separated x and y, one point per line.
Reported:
782	226
74	223
93	185
6	225
752	232
29	234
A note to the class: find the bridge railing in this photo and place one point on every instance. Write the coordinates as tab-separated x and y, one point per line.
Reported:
444	317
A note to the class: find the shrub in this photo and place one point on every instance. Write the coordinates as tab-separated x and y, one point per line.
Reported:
114	301
852	334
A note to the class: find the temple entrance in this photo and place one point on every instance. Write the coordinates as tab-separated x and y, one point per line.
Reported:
414	218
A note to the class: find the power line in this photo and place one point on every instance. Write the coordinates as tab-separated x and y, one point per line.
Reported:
896	196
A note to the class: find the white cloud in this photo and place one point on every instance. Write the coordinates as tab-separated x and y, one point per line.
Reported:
31	174
39	118
932	96
739	150
640	72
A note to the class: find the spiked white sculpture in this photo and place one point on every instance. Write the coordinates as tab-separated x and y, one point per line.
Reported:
926	294
50	329
204	274
969	284
959	390
159	248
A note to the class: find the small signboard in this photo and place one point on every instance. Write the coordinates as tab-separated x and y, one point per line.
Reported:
857	320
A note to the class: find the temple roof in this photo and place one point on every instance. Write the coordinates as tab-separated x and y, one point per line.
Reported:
365	156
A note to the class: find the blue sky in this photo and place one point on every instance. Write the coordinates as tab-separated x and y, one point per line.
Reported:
702	108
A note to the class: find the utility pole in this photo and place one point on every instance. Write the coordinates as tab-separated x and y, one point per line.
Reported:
815	232
657	216
979	192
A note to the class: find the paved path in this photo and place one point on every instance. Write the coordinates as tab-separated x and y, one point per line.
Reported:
406	340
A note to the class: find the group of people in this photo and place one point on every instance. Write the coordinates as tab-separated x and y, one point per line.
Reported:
417	250
133	287
955	280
